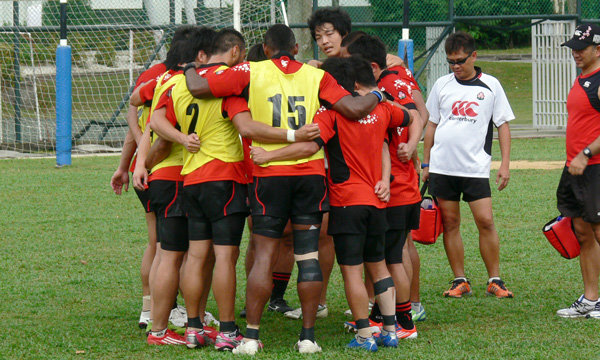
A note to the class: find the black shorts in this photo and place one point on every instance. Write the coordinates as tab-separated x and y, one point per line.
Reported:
166	198
285	196
394	244
579	196
449	187
216	210
358	219
144	197
358	233
405	217
172	233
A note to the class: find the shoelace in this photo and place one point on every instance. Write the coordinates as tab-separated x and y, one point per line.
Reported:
455	283
577	304
500	283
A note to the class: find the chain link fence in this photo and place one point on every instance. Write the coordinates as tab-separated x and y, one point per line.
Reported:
113	41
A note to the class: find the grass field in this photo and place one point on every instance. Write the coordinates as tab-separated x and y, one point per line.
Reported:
70	286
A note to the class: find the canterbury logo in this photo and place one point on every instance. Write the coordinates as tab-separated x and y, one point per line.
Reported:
464	108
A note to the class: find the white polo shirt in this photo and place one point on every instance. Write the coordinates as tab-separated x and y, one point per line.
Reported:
464	112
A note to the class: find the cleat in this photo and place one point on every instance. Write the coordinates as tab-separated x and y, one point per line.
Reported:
178	317
459	288
170	338
402	333
369	344
307	347
248	347
144	319
196	338
296	314
211	333
419	315
210	320
496	288
279	305
579	308
243	313
388	340
228	341
350	326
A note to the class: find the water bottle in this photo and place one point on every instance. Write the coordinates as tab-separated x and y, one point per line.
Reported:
427	203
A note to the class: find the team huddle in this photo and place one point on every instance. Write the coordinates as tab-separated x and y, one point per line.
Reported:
320	160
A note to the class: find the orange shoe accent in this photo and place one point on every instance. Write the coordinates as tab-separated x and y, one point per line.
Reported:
459	288
402	333
498	289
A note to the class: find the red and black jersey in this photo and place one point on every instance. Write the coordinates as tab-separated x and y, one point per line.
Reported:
404	188
406	76
583	122
353	151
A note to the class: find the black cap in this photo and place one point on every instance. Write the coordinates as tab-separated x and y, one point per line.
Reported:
585	35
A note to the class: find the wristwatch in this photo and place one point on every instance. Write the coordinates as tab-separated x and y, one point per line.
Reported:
587	152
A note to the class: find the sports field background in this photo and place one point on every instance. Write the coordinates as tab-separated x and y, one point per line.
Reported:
70	288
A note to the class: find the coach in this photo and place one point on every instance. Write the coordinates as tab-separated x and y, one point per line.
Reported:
578	193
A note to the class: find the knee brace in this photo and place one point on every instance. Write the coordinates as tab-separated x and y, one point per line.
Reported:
268	226
309	270
307	219
383	285
306	241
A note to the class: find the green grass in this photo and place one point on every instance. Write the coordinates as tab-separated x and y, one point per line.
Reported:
70	264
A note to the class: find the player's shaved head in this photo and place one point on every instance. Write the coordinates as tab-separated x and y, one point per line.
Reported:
370	48
280	37
227	39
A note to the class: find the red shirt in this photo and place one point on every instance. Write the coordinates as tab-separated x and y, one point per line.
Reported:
583	122
404	188
406	75
353	151
215	170
151	73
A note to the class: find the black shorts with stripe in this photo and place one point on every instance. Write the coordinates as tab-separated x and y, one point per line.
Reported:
286	196
166	198
144	197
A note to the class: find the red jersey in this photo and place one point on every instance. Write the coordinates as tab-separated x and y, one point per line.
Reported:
404	188
353	151
406	75
583	122
152	73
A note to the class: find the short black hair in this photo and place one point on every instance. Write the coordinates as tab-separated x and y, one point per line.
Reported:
181	33
280	37
177	46
352	37
256	53
370	48
226	39
335	16
347	71
459	40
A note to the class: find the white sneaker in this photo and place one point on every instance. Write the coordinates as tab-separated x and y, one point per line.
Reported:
210	320
307	347
322	312
178	316
144	318
580	308
248	347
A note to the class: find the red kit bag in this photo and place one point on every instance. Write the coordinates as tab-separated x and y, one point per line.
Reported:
560	234
430	224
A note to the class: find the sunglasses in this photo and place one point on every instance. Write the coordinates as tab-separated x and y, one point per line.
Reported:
459	62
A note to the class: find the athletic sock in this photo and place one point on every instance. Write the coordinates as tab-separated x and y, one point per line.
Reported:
252	333
159	333
280	283
460	278
227	326
363	329
307	334
376	314
146	301
416	306
492	279
403	315
195	323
